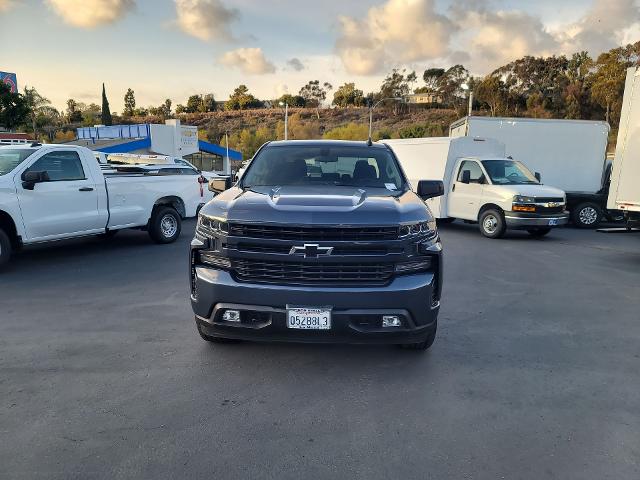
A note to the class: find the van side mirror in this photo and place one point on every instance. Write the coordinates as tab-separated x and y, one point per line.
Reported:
466	176
430	189
219	185
538	176
30	178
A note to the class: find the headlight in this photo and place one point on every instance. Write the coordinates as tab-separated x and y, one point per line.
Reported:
523	199
418	228
211	226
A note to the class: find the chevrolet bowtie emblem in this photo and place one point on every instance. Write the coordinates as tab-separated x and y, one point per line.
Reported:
311	250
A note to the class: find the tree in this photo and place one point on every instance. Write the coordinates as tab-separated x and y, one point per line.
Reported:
208	103
166	108
241	99
181	108
90	114
450	84
351	131
348	95
129	103
395	85
106	112
291	100
74	112
193	104
35	102
492	91
14	110
431	77
314	94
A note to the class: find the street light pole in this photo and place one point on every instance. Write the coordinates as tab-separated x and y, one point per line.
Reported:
226	137
286	119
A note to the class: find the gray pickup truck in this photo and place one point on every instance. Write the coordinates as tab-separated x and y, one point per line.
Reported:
319	241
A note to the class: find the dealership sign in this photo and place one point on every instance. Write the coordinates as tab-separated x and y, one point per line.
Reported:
10	80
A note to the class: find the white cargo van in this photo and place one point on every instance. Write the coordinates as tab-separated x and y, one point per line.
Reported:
481	184
624	193
569	154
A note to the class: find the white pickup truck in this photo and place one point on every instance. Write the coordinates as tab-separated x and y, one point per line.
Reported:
54	192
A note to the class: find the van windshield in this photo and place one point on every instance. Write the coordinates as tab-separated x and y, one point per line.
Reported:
10	158
320	165
508	172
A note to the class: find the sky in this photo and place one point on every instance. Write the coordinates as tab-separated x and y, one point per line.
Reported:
176	48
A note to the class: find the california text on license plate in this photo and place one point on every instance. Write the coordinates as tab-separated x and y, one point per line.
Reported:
553	221
306	318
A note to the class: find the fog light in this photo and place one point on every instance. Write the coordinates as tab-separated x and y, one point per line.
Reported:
231	316
391	321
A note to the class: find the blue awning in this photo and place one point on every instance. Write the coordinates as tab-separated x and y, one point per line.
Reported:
128	146
218	150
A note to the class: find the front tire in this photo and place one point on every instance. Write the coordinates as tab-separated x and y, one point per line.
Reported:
492	223
538	232
587	215
5	248
165	225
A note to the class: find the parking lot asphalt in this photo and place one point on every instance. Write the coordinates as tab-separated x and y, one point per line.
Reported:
535	372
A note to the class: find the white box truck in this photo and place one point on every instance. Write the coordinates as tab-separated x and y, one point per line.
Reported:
569	154
624	193
481	184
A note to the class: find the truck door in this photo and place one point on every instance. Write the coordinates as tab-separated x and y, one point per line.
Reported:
66	205
464	198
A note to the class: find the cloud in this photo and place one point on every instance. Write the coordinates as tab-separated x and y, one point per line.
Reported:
296	64
495	38
602	27
206	19
249	60
399	31
91	13
5	5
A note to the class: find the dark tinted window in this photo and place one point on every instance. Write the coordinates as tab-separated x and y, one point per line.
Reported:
60	166
317	164
474	169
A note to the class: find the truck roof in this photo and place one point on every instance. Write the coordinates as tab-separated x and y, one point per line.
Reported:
325	143
521	119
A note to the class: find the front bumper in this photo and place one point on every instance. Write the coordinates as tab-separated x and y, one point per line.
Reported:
356	312
520	220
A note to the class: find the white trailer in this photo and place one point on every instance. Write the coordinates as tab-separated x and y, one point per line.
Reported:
568	154
624	193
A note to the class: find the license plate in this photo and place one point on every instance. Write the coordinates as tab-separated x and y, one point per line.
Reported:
553	221
305	318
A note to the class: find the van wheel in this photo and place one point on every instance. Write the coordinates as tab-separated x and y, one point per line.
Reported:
422	345
538	232
5	248
586	215
492	224
165	225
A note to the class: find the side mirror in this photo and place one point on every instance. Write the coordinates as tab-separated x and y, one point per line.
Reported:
219	185
430	189
466	176
30	178
538	176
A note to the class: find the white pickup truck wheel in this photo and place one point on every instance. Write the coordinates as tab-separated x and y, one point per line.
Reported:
5	248
165	225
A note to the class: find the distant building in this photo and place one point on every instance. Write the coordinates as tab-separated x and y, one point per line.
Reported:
171	139
12	138
424	98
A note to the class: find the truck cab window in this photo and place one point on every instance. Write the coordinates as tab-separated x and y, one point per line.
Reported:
476	172
61	166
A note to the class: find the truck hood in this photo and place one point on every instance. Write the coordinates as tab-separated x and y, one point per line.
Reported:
533	190
320	205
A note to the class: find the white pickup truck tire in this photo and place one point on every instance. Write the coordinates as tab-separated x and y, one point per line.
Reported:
165	225
5	248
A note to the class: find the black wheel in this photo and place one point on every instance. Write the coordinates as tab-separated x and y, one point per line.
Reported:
212	339
422	345
5	248
445	221
587	215
492	224
538	232
165	225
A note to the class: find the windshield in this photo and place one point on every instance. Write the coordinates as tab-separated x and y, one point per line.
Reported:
319	165
508	172
11	158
